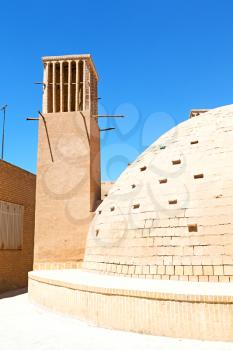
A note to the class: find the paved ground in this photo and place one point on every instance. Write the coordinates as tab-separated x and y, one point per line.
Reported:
24	326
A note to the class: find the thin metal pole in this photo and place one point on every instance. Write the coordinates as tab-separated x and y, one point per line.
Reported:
3	128
108	116
47	134
85	124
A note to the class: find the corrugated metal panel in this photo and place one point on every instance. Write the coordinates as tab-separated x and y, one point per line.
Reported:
11	225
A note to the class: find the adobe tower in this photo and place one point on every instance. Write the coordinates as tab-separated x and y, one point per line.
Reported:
68	180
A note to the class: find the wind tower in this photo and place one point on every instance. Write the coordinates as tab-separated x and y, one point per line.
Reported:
68	179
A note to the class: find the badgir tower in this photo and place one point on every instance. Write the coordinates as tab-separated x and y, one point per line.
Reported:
156	255
68	179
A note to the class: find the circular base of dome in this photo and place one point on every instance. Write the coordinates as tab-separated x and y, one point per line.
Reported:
158	307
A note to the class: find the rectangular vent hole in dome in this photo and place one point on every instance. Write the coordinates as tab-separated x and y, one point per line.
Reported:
143	168
100	211
162	146
173	201
177	161
112	208
194	142
133	186
163	181
198	176
136	206
192	228
97	233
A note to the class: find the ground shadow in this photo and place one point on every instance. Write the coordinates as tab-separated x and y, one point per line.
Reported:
13	293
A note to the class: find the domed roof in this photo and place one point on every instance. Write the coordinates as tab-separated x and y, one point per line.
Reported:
170	214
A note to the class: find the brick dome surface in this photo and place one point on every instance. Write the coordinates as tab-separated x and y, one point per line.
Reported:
170	213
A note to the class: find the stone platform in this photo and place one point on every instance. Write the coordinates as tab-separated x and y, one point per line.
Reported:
158	307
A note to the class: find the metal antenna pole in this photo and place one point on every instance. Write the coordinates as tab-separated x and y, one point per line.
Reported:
3	128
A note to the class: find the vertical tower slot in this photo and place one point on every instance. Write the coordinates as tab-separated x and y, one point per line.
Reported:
50	88
57	88
65	86
80	87
73	85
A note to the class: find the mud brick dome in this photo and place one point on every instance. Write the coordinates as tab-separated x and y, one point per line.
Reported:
170	214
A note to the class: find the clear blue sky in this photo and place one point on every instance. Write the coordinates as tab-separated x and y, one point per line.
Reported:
156	61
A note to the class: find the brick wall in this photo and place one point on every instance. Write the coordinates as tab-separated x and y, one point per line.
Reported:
17	186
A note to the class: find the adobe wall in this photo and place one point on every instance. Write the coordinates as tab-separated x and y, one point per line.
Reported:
17	186
65	189
175	309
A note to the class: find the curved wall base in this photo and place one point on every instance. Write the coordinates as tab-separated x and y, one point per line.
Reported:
164	308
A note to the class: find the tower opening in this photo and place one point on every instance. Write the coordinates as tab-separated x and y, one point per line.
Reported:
73	85
65	87
81	83
57	87
50	88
